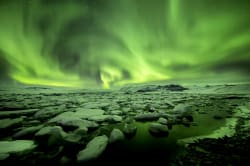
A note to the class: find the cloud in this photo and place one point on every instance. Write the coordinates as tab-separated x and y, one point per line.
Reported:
105	43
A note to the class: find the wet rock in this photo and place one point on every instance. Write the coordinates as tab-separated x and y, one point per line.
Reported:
117	112
82	123
17	147
162	121
185	122
158	130
100	118
128	120
34	122
10	123
13	107
81	131
104	130
137	106
245	109
93	149
116	118
113	107
126	109
147	116
87	113
106	118
96	105
77	123
243	112
72	139
170	104
133	113
129	130
116	135
150	108
48	113
63	117
71	119
50	136
81	113
172	119
5	114
27	132
183	110
4	156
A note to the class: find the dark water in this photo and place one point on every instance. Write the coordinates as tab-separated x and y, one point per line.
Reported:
146	148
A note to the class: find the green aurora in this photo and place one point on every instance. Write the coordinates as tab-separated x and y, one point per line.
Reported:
82	43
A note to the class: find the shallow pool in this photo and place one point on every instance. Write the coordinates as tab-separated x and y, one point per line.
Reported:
145	148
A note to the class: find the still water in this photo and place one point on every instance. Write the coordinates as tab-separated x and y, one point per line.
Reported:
145	148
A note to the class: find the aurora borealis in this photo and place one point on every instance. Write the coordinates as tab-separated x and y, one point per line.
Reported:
82	43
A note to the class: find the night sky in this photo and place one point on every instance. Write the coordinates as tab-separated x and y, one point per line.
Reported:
83	43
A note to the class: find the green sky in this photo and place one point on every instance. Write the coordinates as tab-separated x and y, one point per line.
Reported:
82	43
